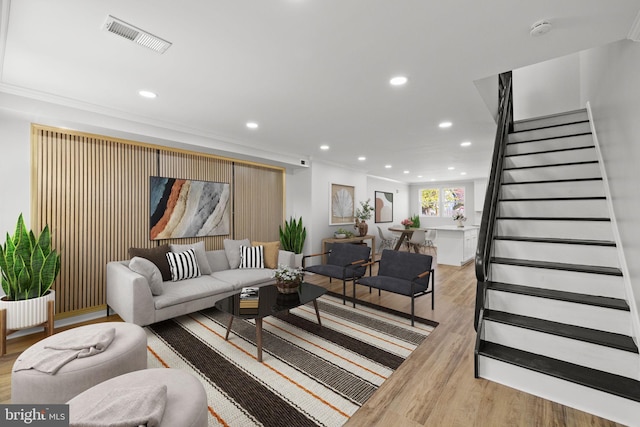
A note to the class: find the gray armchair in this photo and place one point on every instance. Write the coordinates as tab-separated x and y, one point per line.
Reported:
402	273
345	261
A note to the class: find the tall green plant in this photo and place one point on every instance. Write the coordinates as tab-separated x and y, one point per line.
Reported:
293	235
28	265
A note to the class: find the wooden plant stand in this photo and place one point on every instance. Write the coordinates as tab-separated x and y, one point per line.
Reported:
4	332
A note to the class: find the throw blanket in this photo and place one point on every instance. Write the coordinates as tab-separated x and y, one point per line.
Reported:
124	407
65	348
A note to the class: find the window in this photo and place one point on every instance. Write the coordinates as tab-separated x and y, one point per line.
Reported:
430	201
442	202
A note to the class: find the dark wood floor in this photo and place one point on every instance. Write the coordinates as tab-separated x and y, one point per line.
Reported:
435	386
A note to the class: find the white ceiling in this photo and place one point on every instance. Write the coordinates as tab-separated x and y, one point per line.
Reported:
310	72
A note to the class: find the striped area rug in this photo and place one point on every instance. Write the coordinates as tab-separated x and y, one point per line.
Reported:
310	375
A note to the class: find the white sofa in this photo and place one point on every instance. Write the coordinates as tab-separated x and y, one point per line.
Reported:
129	293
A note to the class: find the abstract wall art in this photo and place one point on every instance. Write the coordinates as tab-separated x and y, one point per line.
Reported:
182	208
341	204
384	206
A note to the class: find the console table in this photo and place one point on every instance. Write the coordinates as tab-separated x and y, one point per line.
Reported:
355	239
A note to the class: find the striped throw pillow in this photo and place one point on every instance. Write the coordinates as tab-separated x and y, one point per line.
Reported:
251	256
183	265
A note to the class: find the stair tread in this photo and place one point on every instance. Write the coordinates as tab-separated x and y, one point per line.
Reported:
594	336
618	385
555	150
548	181
538	199
612	271
558	240
595	300
546	138
555	125
554	218
550	165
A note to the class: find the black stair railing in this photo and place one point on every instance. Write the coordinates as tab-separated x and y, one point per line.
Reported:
489	212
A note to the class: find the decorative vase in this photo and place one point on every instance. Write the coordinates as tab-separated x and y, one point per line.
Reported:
288	287
23	314
363	228
460	224
406	227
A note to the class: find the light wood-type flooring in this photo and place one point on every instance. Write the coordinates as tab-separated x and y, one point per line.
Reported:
435	386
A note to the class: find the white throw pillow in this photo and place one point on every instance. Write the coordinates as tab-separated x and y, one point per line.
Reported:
232	250
201	256
150	271
251	256
183	265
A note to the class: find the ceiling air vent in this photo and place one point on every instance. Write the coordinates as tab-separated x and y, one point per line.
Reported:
135	34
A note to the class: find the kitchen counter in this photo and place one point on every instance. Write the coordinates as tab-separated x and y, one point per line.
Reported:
456	245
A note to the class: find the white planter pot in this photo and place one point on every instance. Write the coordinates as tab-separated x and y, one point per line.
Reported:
297	259
27	313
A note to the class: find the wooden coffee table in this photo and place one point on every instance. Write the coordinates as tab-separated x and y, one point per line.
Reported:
270	302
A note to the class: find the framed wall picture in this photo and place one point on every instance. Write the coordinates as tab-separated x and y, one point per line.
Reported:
341	204
182	208
384	206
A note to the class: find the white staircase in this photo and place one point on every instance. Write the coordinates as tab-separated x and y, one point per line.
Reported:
555	321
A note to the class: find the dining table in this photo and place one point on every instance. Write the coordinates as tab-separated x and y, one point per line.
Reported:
406	234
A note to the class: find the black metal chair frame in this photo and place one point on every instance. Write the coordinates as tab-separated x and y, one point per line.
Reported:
361	262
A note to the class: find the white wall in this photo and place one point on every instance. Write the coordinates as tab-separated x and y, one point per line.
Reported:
15	172
610	82
547	88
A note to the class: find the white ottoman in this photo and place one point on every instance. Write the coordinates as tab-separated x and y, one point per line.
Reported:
186	404
126	353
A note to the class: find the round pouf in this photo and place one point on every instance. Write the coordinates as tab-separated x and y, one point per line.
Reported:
186	403
126	353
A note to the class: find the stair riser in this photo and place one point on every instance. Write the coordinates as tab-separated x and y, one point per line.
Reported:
554	189
562	348
604	319
581	155
586	399
550	144
587	170
560	280
535	134
595	230
603	256
554	208
557	119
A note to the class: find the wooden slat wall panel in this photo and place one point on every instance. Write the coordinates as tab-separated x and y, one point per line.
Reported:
202	168
93	191
259	202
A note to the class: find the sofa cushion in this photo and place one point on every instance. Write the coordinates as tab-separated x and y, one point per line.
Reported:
232	249
149	270
271	253
244	277
218	260
183	265
201	256
188	290
157	256
251	257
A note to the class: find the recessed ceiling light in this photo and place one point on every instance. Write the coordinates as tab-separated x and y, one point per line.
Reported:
398	81
405	172
387	166
451	168
463	173
465	144
147	94
419	176
252	125
362	158
324	147
433	179
444	125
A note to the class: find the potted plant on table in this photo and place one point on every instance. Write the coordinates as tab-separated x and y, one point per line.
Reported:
288	279
292	238
459	217
29	267
363	213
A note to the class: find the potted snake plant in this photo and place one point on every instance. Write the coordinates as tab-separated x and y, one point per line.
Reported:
292	238
29	267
